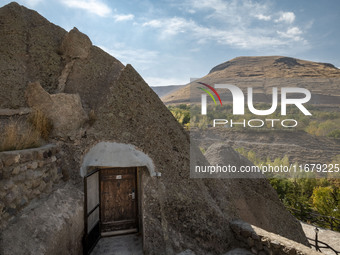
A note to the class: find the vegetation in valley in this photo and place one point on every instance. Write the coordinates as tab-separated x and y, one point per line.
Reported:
321	123
313	200
182	114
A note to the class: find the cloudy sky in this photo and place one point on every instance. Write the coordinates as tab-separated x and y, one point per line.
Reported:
170	41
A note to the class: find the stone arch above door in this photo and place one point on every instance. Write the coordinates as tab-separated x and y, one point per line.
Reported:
111	154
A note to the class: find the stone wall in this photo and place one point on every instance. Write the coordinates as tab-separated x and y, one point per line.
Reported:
24	176
262	242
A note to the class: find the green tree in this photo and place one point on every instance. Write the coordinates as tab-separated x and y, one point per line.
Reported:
326	202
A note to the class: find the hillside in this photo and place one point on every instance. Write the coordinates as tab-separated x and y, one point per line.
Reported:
262	73
298	146
273	67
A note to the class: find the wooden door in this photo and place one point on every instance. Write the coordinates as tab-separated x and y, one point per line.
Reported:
91	210
118	191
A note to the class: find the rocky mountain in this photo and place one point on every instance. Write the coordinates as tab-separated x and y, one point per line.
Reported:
263	73
274	67
92	99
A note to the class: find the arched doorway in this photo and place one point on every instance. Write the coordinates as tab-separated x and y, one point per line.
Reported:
112	175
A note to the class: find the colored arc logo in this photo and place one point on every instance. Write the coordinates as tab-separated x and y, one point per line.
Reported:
208	92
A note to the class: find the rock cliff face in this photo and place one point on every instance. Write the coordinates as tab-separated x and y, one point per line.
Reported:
178	213
29	51
33	49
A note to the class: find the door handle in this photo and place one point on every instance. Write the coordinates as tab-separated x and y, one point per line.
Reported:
133	196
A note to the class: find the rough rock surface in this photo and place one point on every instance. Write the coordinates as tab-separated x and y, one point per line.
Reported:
92	77
75	45
53	225
255	200
64	110
219	153
29	51
178	213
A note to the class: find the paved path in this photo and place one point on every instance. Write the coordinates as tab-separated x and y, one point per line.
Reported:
119	245
332	238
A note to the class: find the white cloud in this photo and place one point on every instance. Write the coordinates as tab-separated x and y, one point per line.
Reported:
235	12
235	24
123	17
96	7
292	33
92	6
217	5
171	26
235	37
287	17
153	23
263	17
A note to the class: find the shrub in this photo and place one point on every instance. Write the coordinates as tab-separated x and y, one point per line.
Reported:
335	133
326	128
41	123
18	136
326	201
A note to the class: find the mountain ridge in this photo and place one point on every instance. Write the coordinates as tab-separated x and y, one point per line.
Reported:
264	72
288	61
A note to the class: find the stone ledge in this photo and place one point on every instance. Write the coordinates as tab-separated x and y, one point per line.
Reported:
9	158
12	112
260	241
